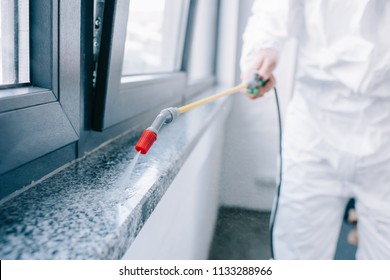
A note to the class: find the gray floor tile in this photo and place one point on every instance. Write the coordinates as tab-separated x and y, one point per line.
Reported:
242	234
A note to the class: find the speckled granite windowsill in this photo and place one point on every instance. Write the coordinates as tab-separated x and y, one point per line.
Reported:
87	211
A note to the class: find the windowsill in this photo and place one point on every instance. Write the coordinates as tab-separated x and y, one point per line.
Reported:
86	211
137	80
21	97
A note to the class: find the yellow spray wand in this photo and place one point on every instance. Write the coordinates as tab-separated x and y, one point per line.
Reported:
149	136
206	100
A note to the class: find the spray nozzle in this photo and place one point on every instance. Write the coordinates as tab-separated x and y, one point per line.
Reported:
149	136
146	141
254	84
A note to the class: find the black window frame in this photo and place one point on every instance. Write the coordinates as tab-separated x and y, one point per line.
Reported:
43	116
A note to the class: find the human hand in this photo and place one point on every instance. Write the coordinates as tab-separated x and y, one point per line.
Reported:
264	65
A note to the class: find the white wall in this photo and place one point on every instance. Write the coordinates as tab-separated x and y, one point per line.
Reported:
182	225
252	138
227	42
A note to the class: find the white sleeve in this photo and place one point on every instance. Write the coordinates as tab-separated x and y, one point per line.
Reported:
270	24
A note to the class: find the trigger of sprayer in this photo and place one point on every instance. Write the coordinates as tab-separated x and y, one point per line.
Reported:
149	136
254	84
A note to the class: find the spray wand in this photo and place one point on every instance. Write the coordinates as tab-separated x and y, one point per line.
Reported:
168	115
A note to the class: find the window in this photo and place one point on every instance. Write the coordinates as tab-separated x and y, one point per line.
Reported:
140	64
14	42
201	62
154	39
154	53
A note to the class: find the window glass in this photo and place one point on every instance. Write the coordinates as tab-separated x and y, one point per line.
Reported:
201	63
14	42
154	39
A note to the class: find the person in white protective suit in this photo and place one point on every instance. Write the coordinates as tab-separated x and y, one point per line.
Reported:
336	142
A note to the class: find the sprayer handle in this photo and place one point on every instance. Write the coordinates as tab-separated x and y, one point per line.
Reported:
254	84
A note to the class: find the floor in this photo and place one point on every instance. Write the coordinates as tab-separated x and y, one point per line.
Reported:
243	234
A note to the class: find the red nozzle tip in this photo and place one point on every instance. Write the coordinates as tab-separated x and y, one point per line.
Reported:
146	141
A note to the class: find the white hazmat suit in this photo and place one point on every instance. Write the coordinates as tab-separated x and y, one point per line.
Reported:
337	132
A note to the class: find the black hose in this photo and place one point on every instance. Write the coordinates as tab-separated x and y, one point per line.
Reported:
273	216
